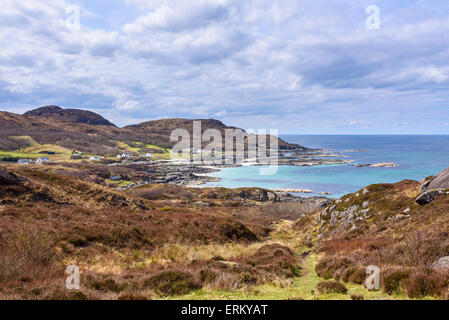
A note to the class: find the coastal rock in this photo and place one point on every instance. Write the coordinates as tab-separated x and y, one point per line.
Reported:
425	185
428	197
292	190
440	181
377	165
442	264
385	165
346	218
261	195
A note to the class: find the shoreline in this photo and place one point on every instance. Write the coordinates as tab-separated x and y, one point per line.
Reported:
195	174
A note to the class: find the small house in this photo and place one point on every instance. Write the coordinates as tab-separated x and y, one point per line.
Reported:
42	160
24	161
124	155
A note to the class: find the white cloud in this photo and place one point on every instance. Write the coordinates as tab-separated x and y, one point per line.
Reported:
129	105
179	16
283	61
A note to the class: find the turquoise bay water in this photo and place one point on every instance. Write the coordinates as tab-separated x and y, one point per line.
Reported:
417	157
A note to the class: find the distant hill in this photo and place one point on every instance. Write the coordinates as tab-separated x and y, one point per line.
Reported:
69	115
90	133
164	128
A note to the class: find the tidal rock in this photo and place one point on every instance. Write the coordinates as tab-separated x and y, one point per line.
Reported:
428	197
384	165
377	165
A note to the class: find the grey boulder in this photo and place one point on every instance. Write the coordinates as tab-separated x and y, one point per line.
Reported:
428	197
442	264
440	181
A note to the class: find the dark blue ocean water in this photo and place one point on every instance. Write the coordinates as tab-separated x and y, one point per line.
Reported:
417	157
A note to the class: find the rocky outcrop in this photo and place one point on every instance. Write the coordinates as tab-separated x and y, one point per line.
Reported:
440	181
346	218
433	187
442	264
377	165
260	195
429	196
425	184
8	178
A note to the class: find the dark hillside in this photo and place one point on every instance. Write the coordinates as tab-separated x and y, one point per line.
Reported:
69	115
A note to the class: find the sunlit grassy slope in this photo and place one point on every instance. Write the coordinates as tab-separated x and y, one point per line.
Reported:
34	149
303	287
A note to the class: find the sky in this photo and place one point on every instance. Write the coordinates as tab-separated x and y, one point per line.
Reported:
299	66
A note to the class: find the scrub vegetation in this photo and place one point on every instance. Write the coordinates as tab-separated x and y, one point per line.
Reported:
156	242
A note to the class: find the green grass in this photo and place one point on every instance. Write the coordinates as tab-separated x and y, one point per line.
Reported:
301	287
16	154
119	183
34	149
161	156
123	146
152	146
141	147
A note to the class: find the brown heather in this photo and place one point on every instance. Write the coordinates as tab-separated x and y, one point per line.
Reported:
153	242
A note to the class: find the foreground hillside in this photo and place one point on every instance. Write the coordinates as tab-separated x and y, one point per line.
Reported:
162	242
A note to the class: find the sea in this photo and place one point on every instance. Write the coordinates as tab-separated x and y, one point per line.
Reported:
417	156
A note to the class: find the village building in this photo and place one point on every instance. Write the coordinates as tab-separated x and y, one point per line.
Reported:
42	160
24	161
124	155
